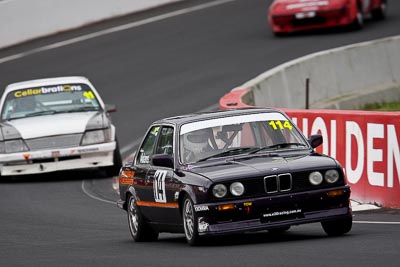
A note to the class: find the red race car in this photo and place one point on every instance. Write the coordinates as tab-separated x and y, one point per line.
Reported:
286	16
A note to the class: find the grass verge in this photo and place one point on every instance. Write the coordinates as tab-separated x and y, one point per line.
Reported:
384	106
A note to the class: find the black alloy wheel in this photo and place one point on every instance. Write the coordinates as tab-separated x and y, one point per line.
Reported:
190	222
138	227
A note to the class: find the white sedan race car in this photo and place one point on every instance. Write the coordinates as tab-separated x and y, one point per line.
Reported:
56	124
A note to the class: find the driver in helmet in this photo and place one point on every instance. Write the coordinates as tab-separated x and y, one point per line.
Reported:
196	144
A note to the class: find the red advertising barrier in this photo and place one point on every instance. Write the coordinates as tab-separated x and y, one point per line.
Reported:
365	143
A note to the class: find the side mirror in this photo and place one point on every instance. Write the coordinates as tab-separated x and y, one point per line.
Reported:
163	160
110	108
315	140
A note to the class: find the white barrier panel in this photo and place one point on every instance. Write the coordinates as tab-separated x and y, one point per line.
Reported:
353	71
23	20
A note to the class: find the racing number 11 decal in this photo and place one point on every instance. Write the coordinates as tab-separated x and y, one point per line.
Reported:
88	95
159	186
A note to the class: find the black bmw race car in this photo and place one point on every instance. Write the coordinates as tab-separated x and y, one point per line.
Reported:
230	172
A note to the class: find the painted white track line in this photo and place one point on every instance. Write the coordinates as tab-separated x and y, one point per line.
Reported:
95	197
130	146
358	206
116	29
371	222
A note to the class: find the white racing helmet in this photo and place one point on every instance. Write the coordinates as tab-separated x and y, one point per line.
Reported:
196	141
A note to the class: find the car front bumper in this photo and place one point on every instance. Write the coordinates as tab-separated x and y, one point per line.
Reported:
274	212
33	162
322	19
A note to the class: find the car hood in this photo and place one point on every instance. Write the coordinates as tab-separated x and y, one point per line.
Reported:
57	124
231	169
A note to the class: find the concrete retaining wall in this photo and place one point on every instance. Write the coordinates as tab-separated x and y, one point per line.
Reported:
342	78
23	20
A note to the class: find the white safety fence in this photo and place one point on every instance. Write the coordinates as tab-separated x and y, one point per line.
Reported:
341	78
23	20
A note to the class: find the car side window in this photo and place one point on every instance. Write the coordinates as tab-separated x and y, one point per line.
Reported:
147	148
165	141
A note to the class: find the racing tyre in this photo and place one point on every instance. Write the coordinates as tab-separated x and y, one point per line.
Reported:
280	34
114	169
140	230
6	179
380	13
278	231
190	222
337	227
358	22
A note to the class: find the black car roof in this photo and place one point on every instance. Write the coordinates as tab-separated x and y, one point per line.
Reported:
179	120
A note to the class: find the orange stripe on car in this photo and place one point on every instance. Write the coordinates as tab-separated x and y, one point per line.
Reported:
157	204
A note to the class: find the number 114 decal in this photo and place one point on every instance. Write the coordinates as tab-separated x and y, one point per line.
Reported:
159	186
279	125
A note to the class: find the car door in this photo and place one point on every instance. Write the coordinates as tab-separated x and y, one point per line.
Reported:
165	208
143	187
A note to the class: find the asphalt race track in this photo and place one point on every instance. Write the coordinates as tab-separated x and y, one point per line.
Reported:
168	67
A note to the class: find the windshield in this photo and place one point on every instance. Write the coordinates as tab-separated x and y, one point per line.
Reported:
245	134
49	100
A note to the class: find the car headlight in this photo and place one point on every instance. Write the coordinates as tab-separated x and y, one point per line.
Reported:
96	137
219	190
237	189
315	178
332	176
13	146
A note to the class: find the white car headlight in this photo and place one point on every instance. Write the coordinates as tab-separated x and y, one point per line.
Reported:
237	189
315	178
332	176
219	190
96	137
13	146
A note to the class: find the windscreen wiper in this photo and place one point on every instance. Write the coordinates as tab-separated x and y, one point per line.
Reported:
281	145
39	113
81	109
229	152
